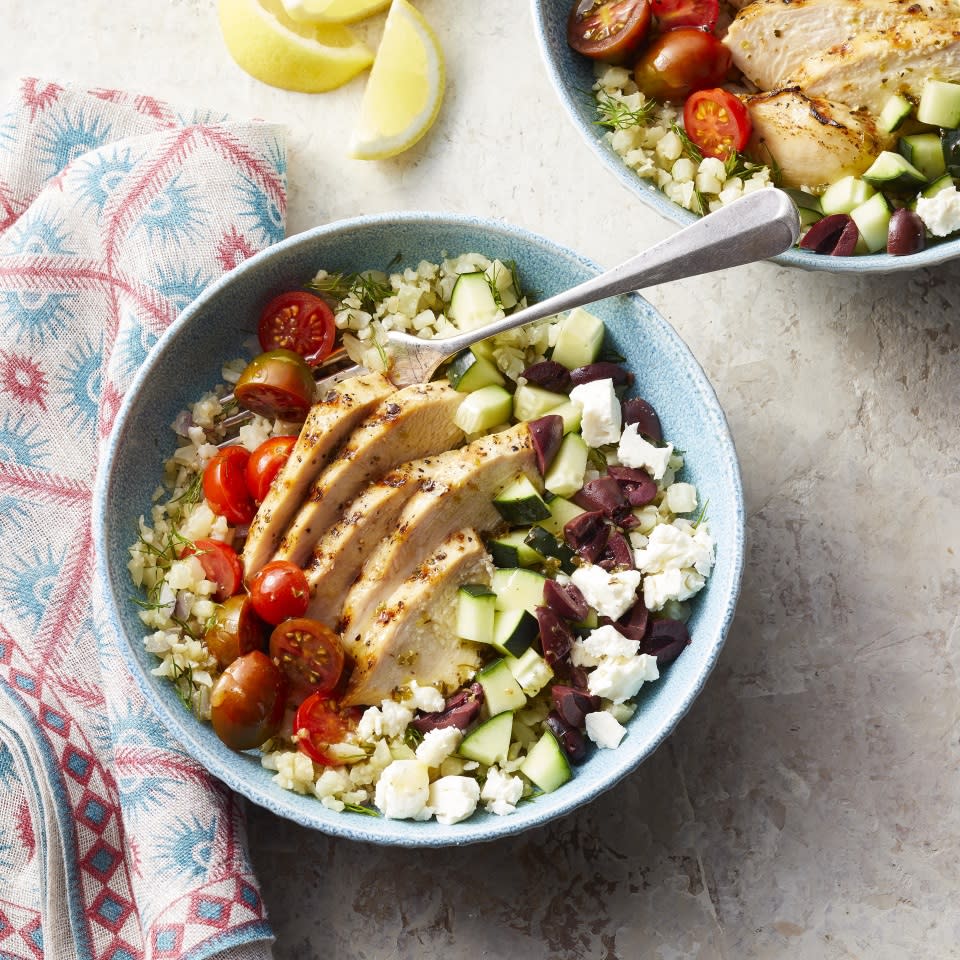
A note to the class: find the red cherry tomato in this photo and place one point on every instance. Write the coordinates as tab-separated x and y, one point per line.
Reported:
309	653
686	13
319	722
278	383
610	30
265	463
225	485
298	321
679	62
248	701
221	566
279	591
717	122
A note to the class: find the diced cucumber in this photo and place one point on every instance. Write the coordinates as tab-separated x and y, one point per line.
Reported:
892	171
562	511
530	402
564	476
476	606
571	413
925	152
483	409
517	589
894	112
501	691
520	502
501	275
547	544
469	371
590	622
940	104
533	673
490	742
808	206
942	183
546	764
844	195
873	221
512	550
579	339
472	303
514	631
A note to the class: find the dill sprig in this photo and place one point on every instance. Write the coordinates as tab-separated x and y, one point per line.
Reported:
702	516
597	460
617	115
366	288
412	737
182	679
191	494
690	149
359	808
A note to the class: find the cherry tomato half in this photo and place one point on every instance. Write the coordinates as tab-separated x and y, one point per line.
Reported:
309	653
225	485
298	321
717	122
610	30
236	630
265	463
279	591
679	62
278	383
248	701
221	566
320	722
671	14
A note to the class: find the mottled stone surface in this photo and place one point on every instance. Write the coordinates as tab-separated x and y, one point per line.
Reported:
807	807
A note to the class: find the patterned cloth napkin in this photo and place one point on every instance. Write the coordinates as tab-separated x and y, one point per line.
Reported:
115	212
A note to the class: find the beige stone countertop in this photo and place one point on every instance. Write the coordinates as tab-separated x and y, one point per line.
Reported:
808	806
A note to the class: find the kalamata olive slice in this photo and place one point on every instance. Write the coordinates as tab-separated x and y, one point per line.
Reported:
587	533
638	486
459	711
570	738
906	234
822	237
638	411
556	637
602	370
548	374
617	553
235	631
545	436
247	701
846	245
572	704
566	599
633	624
603	494
665	640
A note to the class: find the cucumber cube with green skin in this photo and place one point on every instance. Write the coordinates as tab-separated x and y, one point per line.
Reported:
533	673
518	589
873	221
547	764
483	409
489	743
940	104
531	403
514	631
520	502
579	339
476	606
925	152
892	171
469	371
845	195
571	413
472	303
501	692
562	511
564	476
893	114
512	550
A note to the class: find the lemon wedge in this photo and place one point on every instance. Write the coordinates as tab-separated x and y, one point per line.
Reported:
405	89
333	11
270	46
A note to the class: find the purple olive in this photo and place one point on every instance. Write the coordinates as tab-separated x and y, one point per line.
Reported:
633	624
556	637
846	245
617	553
665	640
603	494
637	485
572	704
822	237
550	375
587	533
459	711
907	233
644	416
545	436
566	599
603	370
570	738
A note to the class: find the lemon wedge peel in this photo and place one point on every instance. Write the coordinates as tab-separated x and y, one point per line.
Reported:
333	11
405	89
272	48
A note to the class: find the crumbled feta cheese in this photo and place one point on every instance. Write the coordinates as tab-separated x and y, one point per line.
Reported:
676	546
604	730
501	791
619	678
427	699
403	791
660	588
941	212
610	594
389	720
681	497
601	419
605	641
635	451
437	745
453	799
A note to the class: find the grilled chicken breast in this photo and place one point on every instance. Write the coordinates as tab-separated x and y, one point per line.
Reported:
813	141
410	423
414	634
329	422
770	39
458	494
865	70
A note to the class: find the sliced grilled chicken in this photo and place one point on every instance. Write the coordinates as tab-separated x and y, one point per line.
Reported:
414	422
864	71
770	39
458	494
813	141
329	422
414	635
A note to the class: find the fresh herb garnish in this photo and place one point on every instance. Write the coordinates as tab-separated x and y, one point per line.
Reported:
702	516
359	808
597	460
367	289
617	115
412	737
690	149
183	677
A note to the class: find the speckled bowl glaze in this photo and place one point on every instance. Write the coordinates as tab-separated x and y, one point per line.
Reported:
573	77
187	361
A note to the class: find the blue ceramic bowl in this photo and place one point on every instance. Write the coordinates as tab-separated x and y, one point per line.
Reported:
187	361
572	76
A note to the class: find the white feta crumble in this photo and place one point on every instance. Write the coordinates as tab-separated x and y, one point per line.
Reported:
604	729
501	791
437	745
610	594
453	799
681	498
390	719
601	419
941	212
605	641
427	699
620	678
676	546
634	451
403	791
660	588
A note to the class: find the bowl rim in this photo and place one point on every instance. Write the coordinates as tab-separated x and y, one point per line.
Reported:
216	763
650	195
